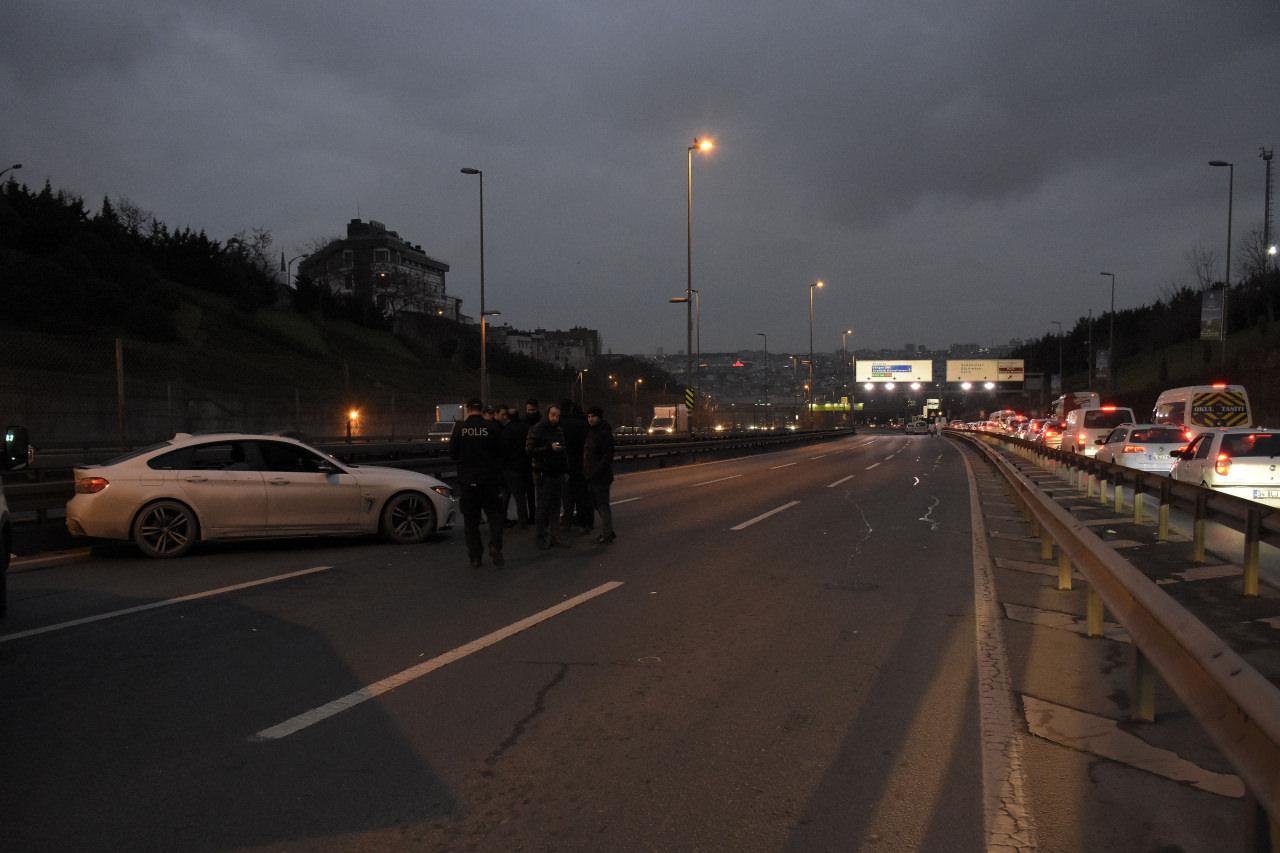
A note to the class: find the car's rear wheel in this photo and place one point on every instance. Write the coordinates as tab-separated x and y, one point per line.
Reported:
408	518
165	529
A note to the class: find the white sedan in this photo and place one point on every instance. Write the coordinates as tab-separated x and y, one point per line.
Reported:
1146	447
171	495
1240	461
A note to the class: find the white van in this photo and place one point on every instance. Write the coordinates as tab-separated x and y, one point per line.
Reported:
15	452
1086	429
1197	408
1075	400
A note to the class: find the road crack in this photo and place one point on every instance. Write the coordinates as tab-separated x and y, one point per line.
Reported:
522	724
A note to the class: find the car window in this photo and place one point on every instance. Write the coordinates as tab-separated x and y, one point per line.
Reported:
1203	445
214	456
1252	444
1100	419
1117	436
1169	413
1157	435
133	453
282	456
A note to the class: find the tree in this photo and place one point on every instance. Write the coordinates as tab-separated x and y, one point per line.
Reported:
1204	266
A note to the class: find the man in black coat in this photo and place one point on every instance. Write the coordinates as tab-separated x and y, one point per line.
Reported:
476	445
545	446
515	465
597	469
577	503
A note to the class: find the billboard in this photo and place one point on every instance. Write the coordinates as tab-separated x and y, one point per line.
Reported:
894	371
1211	314
985	370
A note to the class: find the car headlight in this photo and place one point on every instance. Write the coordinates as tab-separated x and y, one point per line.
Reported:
443	491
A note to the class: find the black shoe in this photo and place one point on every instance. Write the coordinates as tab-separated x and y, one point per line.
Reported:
606	538
495	554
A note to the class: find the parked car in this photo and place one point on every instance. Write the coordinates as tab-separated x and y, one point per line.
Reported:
1085	426
171	495
14	454
1146	447
1240	461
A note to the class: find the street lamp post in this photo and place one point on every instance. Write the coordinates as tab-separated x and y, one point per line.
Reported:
1226	281
844	351
582	385
635	400
1111	344
698	145
288	276
484	342
1062	379
484	355
9	169
812	287
766	372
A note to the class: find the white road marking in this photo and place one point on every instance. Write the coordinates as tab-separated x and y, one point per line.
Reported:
41	561
928	516
626	500
765	515
155	604
917	481
391	682
786	465
838	482
1103	736
872	465
717	480
1005	807
812	458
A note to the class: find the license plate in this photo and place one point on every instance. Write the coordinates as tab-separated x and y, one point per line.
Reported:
1268	494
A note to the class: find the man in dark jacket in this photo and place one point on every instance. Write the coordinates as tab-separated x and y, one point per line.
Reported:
577	503
545	446
597	469
515	467
476	445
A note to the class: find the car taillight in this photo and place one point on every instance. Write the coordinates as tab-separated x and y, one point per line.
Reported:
443	491
1134	448
1186	435
90	485
1081	438
1223	465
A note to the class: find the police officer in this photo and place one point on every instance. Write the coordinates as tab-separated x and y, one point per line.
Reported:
476	445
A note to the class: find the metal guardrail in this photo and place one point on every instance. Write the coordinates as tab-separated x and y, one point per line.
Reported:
53	487
1236	705
1258	522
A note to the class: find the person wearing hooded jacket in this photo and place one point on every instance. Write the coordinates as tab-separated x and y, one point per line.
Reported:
597	470
545	446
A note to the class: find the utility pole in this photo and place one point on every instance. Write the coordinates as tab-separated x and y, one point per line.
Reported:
1267	248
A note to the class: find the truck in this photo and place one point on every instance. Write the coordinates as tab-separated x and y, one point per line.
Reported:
670	420
446	415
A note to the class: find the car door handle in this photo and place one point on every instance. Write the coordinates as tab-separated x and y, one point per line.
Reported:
197	479
278	482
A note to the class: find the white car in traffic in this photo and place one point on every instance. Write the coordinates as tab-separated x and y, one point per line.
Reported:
193	488
1240	461
1145	447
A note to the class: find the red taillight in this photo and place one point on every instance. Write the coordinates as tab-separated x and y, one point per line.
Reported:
1108	408
1081	438
1186	435
90	485
1134	448
1050	431
1223	465
1218	385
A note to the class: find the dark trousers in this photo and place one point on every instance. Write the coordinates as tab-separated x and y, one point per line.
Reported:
487	498
550	489
518	490
600	499
577	502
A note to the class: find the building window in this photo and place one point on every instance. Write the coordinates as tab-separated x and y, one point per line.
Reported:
381	256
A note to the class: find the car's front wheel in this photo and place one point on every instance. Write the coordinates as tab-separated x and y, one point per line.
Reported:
408	518
165	529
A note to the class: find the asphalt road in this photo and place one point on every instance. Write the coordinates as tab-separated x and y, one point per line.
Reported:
719	678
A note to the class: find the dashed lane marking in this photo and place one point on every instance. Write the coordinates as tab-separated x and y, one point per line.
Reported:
1103	737
840	481
627	500
716	480
157	604
872	465
45	561
812	458
371	691
784	465
762	516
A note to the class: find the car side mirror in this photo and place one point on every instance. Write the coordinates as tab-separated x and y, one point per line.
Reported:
1100	441
16	452
1178	454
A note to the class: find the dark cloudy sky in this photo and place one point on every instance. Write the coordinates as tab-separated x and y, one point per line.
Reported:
956	171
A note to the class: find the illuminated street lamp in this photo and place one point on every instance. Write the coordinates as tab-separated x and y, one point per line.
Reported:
889	386
870	386
966	386
635	400
353	416
703	145
990	386
582	384
915	386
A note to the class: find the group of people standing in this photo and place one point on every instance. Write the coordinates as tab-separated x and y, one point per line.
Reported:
556	466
